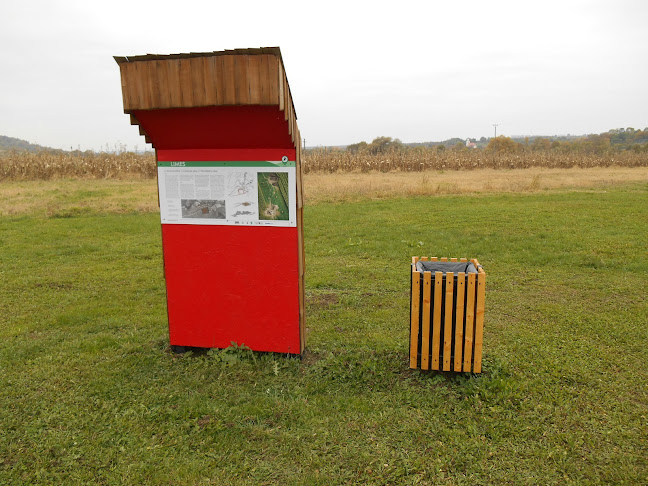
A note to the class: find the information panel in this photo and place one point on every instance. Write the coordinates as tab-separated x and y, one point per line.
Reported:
228	193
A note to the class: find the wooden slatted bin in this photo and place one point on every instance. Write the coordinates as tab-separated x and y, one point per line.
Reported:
447	314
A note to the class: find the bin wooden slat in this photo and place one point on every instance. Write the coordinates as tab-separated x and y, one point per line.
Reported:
459	320
425	331
414	317
447	330
436	320
470	318
479	321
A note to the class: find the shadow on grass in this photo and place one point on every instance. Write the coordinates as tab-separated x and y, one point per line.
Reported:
358	370
494	381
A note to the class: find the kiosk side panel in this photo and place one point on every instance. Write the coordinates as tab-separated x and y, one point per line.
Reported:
226	283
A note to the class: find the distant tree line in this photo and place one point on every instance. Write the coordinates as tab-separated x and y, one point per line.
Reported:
616	140
379	145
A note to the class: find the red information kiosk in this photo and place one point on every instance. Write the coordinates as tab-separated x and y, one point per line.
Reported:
227	145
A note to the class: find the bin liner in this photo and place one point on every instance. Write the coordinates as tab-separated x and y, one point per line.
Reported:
454	267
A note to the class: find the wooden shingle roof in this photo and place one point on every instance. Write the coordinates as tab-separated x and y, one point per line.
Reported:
236	77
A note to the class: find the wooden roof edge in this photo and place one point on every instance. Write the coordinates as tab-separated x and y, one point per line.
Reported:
187	55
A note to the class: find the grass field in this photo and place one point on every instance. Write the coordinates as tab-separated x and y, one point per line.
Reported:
68	196
92	395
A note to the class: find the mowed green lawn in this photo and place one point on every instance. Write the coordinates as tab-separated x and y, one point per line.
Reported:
91	394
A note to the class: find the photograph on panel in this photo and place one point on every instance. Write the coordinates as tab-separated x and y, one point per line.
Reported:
203	208
274	202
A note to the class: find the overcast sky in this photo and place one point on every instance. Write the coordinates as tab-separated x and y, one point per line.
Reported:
418	71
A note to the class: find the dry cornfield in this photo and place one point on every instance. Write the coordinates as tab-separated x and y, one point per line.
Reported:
47	165
425	159
100	165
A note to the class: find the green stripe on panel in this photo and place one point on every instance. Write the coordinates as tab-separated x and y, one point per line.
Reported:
253	163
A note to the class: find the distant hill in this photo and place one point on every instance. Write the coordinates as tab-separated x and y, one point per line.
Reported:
11	143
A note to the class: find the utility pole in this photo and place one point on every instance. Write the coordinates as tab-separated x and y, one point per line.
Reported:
304	144
495	139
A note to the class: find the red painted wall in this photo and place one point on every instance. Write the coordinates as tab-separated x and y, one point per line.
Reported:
228	283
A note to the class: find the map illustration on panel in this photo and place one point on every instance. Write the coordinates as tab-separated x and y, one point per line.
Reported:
240	184
273	195
241	194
